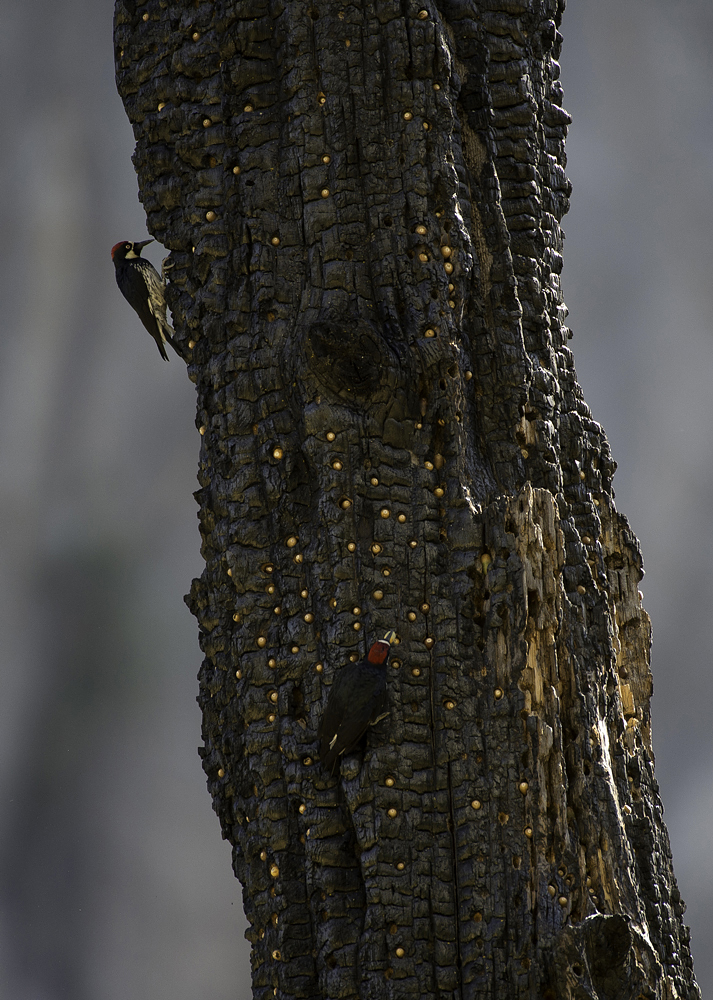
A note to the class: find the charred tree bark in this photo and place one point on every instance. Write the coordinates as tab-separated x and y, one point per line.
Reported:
363	209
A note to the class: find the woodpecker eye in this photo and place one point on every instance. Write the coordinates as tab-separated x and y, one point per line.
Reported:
127	246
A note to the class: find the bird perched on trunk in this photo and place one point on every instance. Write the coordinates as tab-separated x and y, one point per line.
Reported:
357	700
144	289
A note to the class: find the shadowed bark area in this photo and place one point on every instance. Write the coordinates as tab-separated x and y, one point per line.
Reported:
363	209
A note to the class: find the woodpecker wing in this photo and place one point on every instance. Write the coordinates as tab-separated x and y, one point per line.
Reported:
157	301
357	699
381	707
157	306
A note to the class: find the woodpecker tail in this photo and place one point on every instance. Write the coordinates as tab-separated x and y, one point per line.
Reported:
161	348
330	760
166	333
177	349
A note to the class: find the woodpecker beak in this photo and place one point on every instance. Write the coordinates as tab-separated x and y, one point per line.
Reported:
389	637
139	246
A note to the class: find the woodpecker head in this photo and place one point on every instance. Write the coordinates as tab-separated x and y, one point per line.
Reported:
127	251
380	650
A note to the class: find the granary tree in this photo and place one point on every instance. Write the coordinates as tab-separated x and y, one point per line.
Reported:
362	204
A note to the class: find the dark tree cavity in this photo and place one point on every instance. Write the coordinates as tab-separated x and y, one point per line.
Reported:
363	205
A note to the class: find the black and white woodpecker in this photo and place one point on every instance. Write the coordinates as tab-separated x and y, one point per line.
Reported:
144	289
357	700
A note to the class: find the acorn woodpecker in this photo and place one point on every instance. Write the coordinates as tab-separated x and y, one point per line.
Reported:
142	287
357	700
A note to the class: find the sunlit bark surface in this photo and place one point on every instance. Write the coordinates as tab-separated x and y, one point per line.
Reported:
363	207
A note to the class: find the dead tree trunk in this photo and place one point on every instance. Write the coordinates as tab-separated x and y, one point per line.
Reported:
363	209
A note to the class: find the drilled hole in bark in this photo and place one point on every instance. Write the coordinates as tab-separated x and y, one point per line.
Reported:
347	357
296	702
388	221
577	969
533	603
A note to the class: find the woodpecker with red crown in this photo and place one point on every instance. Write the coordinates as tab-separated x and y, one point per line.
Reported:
357	699
144	289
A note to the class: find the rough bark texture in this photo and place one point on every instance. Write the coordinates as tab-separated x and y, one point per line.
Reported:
363	209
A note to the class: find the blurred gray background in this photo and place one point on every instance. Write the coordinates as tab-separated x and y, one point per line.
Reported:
114	881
